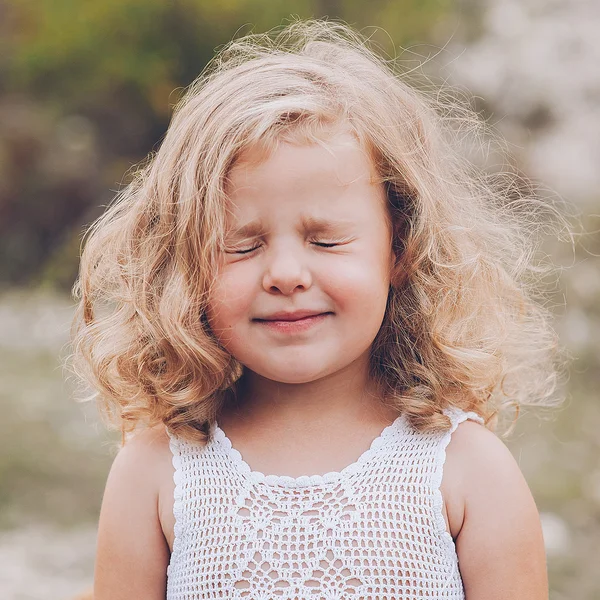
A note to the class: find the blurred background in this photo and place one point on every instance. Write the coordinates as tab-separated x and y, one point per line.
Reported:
86	91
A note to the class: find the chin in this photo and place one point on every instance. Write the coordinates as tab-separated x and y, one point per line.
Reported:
292	376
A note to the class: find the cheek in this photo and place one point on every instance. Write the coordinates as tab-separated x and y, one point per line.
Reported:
360	283
228	301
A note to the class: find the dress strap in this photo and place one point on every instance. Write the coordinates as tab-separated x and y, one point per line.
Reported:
457	416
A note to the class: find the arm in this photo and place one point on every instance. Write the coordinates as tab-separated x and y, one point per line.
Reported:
500	545
132	553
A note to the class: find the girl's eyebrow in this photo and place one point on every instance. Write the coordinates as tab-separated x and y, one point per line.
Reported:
318	225
314	225
251	229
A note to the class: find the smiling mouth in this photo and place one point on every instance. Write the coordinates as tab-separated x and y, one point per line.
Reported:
293	324
291	317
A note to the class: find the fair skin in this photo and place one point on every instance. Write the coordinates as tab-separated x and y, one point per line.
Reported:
308	230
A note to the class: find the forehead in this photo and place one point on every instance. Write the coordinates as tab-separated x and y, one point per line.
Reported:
317	172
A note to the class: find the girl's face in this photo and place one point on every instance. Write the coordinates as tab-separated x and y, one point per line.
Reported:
302	287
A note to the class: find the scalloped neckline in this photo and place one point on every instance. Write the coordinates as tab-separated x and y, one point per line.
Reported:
235	456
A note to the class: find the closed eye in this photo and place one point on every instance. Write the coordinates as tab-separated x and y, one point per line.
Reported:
253	248
242	250
325	244
330	244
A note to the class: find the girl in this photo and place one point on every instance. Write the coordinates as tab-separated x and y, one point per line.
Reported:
312	313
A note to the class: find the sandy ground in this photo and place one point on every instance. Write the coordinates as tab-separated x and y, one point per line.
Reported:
43	562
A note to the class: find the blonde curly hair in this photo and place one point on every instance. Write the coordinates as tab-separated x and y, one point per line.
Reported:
463	325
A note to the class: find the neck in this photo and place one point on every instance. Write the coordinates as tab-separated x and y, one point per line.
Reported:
346	395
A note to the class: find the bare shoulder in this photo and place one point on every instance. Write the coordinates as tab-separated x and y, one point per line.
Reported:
499	543
147	445
474	448
152	439
459	450
133	553
479	464
140	462
149	452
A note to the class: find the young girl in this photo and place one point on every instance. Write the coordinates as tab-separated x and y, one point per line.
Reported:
312	313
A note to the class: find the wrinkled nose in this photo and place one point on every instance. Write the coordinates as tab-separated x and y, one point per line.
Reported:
286	273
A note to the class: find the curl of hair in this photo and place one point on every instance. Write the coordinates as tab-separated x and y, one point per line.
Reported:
463	325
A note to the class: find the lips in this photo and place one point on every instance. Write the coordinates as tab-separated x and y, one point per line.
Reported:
296	315
296	323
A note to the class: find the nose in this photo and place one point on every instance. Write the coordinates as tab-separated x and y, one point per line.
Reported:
286	272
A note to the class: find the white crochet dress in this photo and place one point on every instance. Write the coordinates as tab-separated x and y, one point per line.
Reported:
373	531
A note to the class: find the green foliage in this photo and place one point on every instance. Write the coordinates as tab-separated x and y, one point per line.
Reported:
119	67
76	48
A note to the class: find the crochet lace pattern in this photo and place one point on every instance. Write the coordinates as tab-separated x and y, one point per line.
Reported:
374	530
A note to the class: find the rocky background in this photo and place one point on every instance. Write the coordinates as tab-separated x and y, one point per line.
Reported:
86	91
